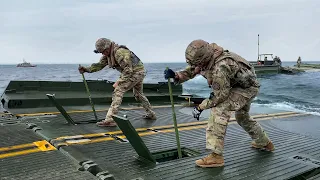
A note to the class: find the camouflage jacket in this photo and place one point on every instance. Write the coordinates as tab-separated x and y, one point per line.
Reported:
223	73
299	60
126	62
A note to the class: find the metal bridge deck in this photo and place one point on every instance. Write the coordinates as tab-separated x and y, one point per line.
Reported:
25	155
64	147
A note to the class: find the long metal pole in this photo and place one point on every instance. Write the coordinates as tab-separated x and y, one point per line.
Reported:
174	119
258	46
87	88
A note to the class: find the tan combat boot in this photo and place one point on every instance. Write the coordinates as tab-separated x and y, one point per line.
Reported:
212	160
268	147
106	123
151	116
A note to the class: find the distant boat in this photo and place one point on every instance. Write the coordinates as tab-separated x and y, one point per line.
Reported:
25	64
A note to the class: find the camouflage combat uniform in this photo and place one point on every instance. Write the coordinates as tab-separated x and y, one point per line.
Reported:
299	62
132	75
277	61
234	84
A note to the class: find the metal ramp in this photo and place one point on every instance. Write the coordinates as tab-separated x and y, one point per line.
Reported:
134	138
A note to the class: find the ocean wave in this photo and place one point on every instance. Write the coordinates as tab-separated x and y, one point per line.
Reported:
286	106
260	101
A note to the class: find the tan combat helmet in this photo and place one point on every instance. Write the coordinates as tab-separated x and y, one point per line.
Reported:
102	44
198	52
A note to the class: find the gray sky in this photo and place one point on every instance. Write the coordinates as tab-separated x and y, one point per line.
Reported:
65	31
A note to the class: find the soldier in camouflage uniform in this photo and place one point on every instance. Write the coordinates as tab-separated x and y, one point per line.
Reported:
234	85
119	57
277	61
299	62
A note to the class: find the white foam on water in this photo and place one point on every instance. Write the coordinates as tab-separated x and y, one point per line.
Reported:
291	107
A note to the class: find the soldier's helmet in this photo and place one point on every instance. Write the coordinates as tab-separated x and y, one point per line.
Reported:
102	44
197	52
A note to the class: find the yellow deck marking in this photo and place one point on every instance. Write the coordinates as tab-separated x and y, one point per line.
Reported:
5	113
98	134
81	136
86	141
231	119
82	111
19	153
44	145
200	126
17	147
119	132
275	117
179	125
40	146
96	140
140	134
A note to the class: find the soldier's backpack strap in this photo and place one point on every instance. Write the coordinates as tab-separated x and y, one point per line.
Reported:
223	56
231	55
134	58
123	46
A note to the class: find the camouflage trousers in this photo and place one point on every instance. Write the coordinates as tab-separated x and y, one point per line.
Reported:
238	101
135	83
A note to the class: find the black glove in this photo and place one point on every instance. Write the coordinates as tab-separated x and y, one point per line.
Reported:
82	69
196	112
211	95
169	74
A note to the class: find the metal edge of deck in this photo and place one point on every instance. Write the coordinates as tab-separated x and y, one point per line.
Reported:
34	93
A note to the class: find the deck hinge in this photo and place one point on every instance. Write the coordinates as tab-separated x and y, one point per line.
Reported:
94	169
104	175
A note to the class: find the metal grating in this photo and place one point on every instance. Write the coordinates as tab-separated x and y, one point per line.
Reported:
42	165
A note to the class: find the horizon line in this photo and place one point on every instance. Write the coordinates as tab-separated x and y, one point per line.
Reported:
35	63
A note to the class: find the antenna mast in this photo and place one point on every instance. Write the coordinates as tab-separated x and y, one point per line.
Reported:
258	46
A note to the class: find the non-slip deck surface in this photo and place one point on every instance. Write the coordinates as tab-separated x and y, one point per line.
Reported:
241	161
48	165
36	165
119	158
310	126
